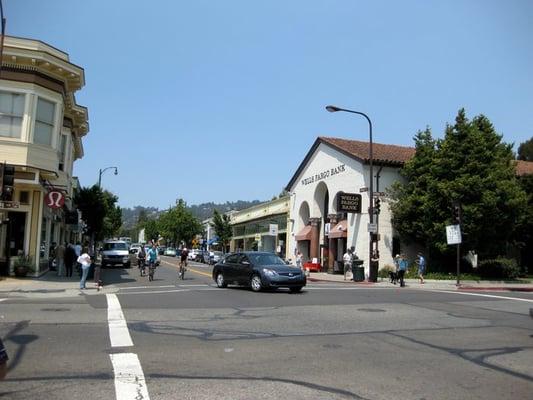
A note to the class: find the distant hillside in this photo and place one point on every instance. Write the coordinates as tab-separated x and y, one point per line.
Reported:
201	211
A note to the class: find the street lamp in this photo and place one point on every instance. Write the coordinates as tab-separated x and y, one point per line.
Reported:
102	171
331	108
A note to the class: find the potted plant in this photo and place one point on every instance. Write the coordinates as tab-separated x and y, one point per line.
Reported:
23	264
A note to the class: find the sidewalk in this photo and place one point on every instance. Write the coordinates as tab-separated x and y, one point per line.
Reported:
429	283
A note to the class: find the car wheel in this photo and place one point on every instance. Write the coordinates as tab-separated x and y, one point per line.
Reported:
296	289
256	283
221	282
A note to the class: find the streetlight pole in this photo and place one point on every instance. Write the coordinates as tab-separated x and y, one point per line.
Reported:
102	171
331	108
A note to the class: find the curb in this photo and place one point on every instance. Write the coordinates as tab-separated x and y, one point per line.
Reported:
496	288
343	281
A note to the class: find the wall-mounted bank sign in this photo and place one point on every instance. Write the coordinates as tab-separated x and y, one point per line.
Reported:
349	203
324	174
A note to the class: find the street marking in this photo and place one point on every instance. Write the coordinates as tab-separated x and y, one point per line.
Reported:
188	268
483	295
118	329
2	299
130	383
146	287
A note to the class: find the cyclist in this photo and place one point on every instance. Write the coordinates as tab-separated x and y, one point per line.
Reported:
152	258
141	257
183	263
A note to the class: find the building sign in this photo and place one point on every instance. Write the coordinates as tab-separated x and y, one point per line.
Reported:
324	174
55	199
349	203
273	229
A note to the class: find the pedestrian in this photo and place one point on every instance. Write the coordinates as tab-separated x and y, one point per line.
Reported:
85	261
70	259
402	269
60	258
77	249
347	260
421	261
299	263
394	273
3	360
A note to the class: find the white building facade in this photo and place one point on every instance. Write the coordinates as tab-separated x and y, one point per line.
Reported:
335	168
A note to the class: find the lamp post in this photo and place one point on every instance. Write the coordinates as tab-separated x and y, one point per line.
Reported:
331	108
102	171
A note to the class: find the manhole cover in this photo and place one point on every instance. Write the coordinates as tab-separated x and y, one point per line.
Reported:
371	310
55	309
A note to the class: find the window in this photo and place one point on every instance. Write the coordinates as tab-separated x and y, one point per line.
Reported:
24	197
62	151
11	110
44	122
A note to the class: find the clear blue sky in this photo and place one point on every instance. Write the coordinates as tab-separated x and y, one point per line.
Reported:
221	100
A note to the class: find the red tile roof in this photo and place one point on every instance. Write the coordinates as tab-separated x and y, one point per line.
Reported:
382	153
524	167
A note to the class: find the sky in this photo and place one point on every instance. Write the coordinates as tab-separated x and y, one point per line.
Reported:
221	100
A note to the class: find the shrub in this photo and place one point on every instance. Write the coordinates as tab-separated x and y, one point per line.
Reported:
499	268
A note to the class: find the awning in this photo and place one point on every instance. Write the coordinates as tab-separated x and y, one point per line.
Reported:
304	234
212	240
340	230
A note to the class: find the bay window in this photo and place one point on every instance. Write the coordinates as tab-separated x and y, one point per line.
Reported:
11	111
44	122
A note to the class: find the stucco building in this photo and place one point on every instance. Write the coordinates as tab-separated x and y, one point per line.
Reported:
41	131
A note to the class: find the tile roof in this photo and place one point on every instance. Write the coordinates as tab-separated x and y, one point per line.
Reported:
382	153
524	167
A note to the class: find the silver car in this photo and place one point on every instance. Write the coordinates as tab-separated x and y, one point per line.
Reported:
116	252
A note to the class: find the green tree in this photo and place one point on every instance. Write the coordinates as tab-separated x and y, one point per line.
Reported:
113	217
221	224
525	150
92	204
470	166
151	229
178	224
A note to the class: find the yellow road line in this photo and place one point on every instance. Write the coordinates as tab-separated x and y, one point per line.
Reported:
188	269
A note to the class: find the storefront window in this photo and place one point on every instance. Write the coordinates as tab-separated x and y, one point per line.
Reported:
11	111
44	122
62	151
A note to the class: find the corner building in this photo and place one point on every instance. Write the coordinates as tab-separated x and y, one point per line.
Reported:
317	226
41	131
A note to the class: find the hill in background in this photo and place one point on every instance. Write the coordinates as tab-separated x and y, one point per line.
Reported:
201	211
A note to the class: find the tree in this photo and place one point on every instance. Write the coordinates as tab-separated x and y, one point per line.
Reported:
470	166
221	224
525	150
178	224
91	202
113	217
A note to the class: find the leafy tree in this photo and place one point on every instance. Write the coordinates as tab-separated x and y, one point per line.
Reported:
470	166
92	204
178	224
151	229
525	150
221	224
113	218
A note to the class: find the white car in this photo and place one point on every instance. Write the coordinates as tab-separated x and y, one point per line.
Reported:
192	254
134	248
116	252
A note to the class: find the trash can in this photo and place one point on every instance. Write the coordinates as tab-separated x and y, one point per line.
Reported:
358	271
373	276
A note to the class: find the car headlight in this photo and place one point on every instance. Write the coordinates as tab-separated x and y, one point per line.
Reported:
270	272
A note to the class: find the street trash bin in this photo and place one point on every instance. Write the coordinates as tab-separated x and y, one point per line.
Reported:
358	271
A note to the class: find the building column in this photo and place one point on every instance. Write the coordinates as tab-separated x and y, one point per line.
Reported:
332	247
315	238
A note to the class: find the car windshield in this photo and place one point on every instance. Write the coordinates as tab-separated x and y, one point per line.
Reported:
218	253
115	246
265	259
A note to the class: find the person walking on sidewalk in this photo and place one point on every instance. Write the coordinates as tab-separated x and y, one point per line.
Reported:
402	269
421	267
347	260
60	258
299	263
85	261
70	259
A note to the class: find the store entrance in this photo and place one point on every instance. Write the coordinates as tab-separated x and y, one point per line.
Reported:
15	233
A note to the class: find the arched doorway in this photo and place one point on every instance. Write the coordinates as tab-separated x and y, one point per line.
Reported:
303	237
320	214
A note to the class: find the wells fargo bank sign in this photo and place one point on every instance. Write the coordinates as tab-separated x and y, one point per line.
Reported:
324	174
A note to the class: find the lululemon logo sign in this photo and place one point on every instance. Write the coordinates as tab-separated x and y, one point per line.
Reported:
55	199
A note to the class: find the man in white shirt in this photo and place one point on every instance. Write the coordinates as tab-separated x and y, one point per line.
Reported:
347	259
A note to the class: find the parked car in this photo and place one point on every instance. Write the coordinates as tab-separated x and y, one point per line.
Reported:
212	257
161	250
116	252
170	251
259	270
134	248
193	253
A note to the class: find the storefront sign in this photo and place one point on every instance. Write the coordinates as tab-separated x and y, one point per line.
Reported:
324	174
349	203
55	199
273	229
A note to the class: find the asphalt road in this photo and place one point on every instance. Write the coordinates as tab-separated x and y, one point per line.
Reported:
191	340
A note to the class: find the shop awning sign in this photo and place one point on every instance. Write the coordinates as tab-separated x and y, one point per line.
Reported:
349	203
55	199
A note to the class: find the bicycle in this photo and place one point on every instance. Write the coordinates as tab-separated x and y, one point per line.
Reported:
142	266
151	270
183	268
